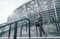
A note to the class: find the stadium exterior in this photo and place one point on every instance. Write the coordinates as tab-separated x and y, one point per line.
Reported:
48	8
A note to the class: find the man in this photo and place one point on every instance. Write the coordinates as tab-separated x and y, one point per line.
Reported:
39	24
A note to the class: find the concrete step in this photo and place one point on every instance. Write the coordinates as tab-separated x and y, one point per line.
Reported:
31	38
55	33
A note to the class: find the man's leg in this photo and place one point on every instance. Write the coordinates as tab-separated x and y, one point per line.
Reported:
36	31
57	26
40	30
43	31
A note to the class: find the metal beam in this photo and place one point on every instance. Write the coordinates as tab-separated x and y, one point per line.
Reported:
55	8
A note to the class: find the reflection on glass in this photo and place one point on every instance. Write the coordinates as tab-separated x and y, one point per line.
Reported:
32	2
44	2
28	8
32	11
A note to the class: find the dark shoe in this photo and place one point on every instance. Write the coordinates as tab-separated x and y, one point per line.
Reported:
45	35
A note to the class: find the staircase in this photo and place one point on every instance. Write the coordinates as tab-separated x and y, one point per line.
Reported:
15	30
25	31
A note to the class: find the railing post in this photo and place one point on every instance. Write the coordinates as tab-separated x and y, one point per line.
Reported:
26	27
9	31
15	31
21	30
0	34
29	29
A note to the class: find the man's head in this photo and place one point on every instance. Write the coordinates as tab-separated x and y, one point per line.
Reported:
39	14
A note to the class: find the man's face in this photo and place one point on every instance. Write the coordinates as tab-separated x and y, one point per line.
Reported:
38	15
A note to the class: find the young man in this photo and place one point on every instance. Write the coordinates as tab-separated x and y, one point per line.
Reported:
39	24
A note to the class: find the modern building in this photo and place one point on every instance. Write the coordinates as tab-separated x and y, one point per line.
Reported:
48	8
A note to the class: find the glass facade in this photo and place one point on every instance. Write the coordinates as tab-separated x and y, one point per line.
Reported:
48	8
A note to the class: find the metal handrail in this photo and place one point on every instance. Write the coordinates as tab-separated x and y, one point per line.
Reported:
14	22
15	28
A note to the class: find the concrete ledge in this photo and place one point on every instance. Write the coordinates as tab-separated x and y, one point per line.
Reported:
31	38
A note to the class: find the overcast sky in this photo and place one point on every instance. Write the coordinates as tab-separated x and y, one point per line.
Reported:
7	7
